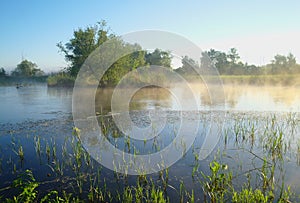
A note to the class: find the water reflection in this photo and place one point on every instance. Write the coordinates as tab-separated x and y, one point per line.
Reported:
36	102
262	98
237	98
33	103
152	99
59	92
246	136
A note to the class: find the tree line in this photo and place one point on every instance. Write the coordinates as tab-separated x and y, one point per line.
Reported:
85	41
230	64
25	68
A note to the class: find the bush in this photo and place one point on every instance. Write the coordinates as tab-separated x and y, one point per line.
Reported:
61	80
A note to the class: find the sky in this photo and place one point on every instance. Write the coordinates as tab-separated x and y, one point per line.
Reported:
258	29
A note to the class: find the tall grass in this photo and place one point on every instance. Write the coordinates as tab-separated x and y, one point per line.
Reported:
82	179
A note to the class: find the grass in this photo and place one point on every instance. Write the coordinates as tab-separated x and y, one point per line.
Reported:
82	179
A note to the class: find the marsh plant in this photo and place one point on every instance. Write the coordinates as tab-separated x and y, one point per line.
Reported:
265	141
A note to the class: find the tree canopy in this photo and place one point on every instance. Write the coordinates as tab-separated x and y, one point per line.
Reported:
2	72
83	43
26	69
230	64
159	57
283	64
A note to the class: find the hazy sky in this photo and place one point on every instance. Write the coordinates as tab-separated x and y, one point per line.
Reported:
258	29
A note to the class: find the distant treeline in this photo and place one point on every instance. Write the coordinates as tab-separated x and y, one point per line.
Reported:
85	41
20	80
25	73
230	64
24	69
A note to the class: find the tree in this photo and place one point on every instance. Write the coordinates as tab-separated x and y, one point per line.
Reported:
159	58
122	66
219	59
83	43
27	69
188	66
291	60
284	64
233	55
2	72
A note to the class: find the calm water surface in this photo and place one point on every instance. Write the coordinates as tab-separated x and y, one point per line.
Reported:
33	103
37	111
39	102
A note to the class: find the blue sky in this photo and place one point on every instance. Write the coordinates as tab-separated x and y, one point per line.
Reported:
258	29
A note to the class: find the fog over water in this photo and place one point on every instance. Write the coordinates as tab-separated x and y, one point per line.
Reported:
40	102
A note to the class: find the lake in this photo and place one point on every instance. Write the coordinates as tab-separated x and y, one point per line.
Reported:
258	128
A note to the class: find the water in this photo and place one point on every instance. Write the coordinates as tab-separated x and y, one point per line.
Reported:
34	103
36	111
38	102
237	98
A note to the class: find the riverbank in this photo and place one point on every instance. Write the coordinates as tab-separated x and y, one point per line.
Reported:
12	80
61	80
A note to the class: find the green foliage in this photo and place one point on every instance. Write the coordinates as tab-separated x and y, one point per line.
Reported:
61	80
124	65
187	67
26	184
218	183
283	64
27	187
2	72
157	196
127	195
219	59
159	58
54	197
27	69
250	196
233	56
229	64
83	43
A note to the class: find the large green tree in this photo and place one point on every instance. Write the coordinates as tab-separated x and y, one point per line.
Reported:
27	69
159	58
83	43
219	59
123	65
228	64
233	55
